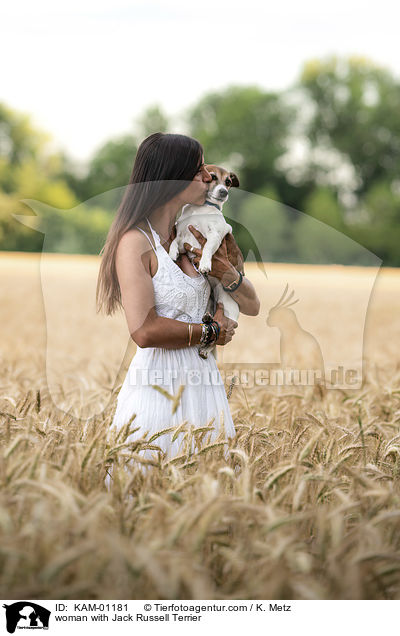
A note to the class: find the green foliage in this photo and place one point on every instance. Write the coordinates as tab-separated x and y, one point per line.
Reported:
245	127
82	230
153	120
268	225
322	204
13	235
348	120
315	242
110	167
19	143
379	227
382	204
355	110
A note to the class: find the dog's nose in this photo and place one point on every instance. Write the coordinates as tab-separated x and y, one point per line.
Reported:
223	192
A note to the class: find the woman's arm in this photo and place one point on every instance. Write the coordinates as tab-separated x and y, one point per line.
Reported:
245	295
167	333
146	327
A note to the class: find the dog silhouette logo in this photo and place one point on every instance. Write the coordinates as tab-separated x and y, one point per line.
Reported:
26	615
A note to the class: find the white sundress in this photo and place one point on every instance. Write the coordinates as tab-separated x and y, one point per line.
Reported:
181	297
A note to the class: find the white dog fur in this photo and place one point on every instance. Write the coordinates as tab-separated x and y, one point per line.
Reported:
209	220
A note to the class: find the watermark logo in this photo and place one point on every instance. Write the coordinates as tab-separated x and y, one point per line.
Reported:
26	615
318	342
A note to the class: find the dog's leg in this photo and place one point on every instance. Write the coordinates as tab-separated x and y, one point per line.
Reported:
231	308
174	249
210	247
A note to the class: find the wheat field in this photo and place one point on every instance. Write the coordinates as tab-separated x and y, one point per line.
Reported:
306	507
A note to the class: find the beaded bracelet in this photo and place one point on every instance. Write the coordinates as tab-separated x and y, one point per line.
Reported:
210	330
205	334
216	328
209	333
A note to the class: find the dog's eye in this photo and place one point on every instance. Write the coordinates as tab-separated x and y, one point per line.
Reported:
228	182
213	176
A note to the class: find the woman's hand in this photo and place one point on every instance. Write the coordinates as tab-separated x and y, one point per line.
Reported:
234	253
220	263
227	326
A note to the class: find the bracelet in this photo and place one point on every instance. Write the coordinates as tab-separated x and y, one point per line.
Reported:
210	330
216	328
209	333
205	331
190	329
235	284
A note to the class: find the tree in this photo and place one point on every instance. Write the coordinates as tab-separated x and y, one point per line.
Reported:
378	227
26	169
153	120
19	142
355	111
110	167
322	204
245	129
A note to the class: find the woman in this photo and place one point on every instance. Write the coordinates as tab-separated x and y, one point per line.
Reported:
164	301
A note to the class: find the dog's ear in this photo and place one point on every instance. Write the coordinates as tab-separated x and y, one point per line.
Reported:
234	179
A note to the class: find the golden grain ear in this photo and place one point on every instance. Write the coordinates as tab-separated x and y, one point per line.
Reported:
234	179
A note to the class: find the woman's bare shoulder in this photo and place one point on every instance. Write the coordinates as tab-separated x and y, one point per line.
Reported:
133	243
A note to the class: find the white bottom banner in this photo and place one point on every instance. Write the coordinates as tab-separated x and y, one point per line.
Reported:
270	617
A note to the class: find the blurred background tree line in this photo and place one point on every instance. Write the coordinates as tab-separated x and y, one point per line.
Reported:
327	149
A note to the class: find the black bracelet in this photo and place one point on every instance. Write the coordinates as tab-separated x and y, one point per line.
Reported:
235	284
217	328
214	332
210	333
210	330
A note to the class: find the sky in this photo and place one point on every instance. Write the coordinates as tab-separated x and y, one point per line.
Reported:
86	70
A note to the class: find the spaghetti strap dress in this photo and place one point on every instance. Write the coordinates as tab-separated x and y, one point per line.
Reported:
203	400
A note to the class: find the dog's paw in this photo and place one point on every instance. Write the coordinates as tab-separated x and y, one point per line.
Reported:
174	252
204	265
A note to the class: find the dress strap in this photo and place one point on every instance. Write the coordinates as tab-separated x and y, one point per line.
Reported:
148	238
154	234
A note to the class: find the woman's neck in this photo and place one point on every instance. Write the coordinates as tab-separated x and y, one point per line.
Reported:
163	220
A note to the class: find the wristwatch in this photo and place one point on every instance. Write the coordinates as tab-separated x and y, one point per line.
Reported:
234	284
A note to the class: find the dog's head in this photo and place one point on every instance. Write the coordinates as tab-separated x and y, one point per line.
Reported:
222	181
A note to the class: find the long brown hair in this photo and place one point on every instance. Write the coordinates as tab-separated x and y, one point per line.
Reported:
163	166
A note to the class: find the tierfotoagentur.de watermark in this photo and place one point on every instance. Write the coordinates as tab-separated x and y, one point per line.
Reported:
338	377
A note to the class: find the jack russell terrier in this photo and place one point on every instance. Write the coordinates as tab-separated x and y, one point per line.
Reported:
209	220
